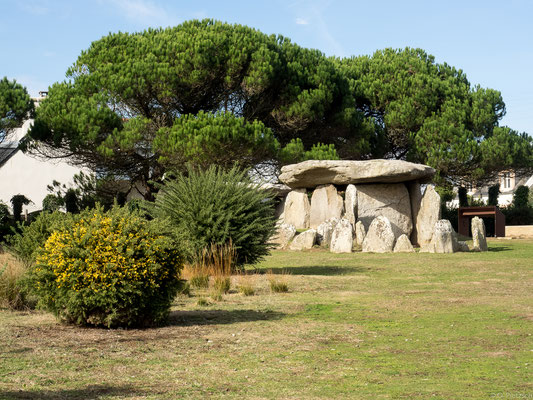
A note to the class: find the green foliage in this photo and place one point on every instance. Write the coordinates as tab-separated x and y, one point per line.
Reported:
17	201
71	201
463	197
494	192
31	237
294	152
52	202
430	113
217	207
15	107
108	269
521	197
126	90
5	222
199	139
518	216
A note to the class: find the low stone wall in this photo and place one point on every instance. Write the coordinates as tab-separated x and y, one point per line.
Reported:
519	231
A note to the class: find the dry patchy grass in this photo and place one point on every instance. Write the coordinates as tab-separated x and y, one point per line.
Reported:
369	326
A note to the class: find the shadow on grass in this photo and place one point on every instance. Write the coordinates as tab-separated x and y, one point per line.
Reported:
499	248
90	392
219	317
320	270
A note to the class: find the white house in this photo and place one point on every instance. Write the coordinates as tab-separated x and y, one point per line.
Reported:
508	184
23	174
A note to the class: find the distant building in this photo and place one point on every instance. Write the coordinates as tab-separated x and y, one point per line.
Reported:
508	184
23	174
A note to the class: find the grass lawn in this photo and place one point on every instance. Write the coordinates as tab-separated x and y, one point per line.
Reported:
362	326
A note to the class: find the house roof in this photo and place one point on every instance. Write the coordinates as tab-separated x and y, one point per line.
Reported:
6	153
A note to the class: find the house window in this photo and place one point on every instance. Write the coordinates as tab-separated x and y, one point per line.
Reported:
506	180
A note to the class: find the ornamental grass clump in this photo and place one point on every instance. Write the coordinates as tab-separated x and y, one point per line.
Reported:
112	269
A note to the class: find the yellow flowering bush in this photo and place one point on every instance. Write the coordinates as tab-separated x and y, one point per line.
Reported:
108	269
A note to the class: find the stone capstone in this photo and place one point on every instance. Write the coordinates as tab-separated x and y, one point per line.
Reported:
311	173
360	233
403	245
444	238
350	204
379	237
297	208
326	203
388	200
304	240
284	234
427	216
324	232
342	237
478	235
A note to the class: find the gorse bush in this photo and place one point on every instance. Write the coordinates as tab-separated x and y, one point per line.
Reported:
108	269
217	207
30	237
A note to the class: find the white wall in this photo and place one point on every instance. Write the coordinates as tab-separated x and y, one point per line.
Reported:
29	176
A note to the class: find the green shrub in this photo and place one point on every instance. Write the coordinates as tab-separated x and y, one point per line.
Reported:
494	192
108	269
463	197
217	207
521	197
31	237
17	202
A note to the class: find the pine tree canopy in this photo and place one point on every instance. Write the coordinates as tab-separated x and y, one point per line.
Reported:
207	92
15	107
430	113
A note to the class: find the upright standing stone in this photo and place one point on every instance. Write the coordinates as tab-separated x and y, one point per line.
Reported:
380	237
342	237
284	234
324	232
478	235
326	203
427	216
403	245
444	238
350	204
304	240
360	233
297	209
389	200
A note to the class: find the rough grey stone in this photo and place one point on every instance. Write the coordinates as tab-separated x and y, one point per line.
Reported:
403	245
297	209
389	200
478	235
350	204
324	232
311	173
342	237
427	216
284	234
360	233
304	240
463	247
326	203
444	238
380	237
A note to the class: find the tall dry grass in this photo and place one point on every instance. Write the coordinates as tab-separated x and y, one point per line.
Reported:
215	263
12	295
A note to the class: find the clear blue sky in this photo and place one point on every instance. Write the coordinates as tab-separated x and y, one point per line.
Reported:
492	41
